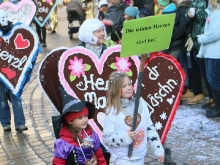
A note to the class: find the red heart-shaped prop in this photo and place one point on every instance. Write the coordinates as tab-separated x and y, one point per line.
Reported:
8	72
20	42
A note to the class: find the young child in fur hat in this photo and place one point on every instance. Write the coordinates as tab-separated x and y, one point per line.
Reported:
78	143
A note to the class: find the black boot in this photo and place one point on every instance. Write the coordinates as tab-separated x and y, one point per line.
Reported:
214	111
168	159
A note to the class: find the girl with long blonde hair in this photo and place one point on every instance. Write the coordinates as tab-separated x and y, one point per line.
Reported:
117	134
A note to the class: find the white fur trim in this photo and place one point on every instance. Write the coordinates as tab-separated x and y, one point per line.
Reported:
154	140
116	139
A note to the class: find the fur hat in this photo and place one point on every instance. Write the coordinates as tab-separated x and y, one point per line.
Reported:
163	2
132	11
87	28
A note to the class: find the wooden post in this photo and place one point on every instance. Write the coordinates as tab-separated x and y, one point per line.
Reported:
137	98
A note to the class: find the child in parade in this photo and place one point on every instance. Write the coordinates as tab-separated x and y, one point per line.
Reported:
78	143
117	134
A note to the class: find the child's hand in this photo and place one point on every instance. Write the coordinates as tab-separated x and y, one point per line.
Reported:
132	134
161	159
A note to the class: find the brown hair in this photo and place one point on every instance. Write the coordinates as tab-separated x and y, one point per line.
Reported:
115	84
213	3
130	17
74	132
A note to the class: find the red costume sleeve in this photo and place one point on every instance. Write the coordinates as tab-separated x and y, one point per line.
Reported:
100	157
58	161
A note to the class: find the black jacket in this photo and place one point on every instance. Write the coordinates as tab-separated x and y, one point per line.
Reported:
115	14
179	31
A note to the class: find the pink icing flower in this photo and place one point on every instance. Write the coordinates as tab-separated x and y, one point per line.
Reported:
208	20
48	1
122	64
77	67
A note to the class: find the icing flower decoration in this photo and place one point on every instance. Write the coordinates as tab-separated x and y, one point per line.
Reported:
122	65
208	20
77	68
48	1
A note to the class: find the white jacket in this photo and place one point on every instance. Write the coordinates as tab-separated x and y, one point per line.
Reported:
115	135
210	40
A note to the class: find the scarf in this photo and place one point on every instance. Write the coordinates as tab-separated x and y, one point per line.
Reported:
97	50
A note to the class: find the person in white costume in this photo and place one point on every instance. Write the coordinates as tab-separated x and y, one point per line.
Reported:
117	134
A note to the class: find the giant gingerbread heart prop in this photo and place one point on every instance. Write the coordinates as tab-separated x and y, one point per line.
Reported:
162	89
85	76
48	77
23	12
160	69
19	49
44	10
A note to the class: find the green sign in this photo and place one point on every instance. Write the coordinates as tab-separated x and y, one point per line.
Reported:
146	35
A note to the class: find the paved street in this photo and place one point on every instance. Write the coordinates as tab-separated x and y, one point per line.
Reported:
190	144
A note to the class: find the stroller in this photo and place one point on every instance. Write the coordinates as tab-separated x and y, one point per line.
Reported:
72	17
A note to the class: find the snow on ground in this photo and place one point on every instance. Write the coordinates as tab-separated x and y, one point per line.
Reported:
194	138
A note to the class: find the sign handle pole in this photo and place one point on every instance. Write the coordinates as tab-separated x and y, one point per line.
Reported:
137	98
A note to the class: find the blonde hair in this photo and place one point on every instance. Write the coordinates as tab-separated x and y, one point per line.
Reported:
115	84
213	3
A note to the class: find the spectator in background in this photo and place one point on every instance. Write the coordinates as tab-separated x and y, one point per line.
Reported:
180	26
194	94
210	51
102	8
114	17
160	6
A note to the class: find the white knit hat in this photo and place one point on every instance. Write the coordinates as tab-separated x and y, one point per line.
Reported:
102	2
87	28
